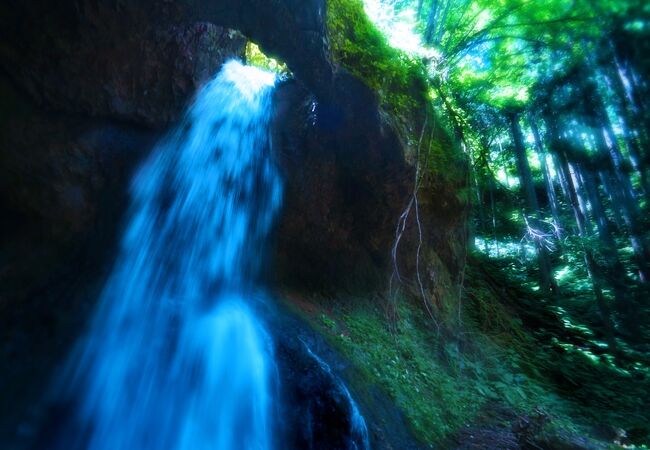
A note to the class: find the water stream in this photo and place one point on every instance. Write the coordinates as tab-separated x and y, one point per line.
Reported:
175	356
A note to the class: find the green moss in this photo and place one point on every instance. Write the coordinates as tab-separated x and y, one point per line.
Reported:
399	80
401	83
438	386
403	365
255	57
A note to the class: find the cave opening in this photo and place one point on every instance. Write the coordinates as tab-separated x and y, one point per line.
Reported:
255	56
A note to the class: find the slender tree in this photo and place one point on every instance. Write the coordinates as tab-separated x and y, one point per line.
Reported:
548	182
532	213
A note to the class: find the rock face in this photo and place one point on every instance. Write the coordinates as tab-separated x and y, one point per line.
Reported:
105	62
101	60
96	65
345	181
140	60
291	30
347	184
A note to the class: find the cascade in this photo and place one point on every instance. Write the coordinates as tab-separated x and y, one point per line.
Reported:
176	356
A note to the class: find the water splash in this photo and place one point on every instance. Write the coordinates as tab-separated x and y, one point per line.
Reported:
359	439
175	357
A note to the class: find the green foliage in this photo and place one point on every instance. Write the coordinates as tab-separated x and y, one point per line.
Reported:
439	386
485	60
357	45
401	83
255	57
560	347
502	48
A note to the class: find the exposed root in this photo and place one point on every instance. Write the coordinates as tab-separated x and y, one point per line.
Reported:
401	226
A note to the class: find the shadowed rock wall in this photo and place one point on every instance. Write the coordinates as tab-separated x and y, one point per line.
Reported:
140	60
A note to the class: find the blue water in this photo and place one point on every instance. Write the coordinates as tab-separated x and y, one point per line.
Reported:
175	357
359	439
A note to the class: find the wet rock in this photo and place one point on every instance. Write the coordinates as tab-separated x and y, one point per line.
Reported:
141	60
319	407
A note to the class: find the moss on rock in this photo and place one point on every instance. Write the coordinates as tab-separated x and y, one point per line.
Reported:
401	83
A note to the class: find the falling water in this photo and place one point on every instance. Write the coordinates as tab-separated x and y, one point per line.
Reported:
175	357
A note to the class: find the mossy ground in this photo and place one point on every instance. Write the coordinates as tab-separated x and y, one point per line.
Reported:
440	385
564	346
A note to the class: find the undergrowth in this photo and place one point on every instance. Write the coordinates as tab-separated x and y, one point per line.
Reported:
509	352
566	354
440	386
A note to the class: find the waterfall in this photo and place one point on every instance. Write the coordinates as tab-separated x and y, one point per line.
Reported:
175	357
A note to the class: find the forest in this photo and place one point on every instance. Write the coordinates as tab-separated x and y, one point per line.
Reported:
547	101
325	224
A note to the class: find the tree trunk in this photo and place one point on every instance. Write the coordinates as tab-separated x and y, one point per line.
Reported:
430	30
532	212
548	182
615	274
632	135
574	178
593	270
620	188
494	217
